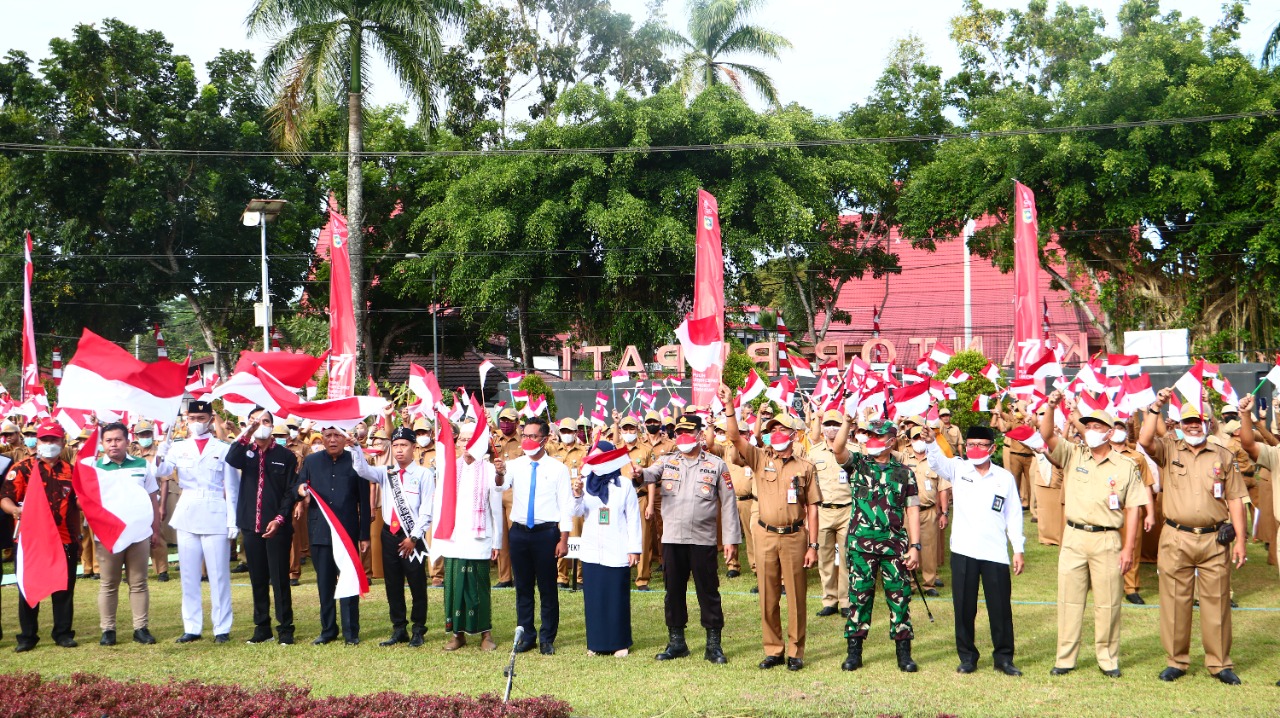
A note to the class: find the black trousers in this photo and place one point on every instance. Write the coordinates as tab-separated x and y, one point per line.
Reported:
681	560
63	606
965	574
533	560
327	582
396	571
268	560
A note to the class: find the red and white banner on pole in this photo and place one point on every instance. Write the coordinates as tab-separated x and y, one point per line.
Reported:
342	317
1026	274
708	303
31	385
104	378
351	578
42	565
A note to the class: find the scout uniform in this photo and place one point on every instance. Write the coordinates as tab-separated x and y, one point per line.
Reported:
783	487
642	457
929	488
571	455
698	494
508	448
1095	494
833	522
1197	484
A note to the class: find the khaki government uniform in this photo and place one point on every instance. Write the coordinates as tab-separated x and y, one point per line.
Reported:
1131	583
659	446
1188	477
1048	492
642	457
834	512
1091	545
570	456
929	486
300	550
1269	460
1019	459
746	504
780	556
507	447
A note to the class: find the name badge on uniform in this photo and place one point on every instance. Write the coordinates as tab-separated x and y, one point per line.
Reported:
770	468
791	496
928	485
604	515
997	503
1114	502
1082	470
573	473
1217	489
844	476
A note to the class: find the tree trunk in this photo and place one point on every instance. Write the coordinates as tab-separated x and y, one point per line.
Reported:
206	330
355	199
522	330
1101	322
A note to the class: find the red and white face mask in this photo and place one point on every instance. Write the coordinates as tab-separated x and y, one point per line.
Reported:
686	443
780	440
978	455
875	446
530	447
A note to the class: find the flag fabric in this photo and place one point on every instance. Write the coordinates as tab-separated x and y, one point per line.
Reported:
1022	387
911	377
195	381
161	351
535	406
423	384
799	365
1026	255
700	342
752	387
1045	321
31	385
959	376
292	369
1273	376
941	390
1190	387
940	354
515	377
982	402
992	373
259	386
342	317
600	463
602	400
1137	393
1046	365
1123	365
117	508
598	418
782	392
351	578
73	421
622	376
708	302
447	478
1225	390
41	563
911	400
486	366
102	377
1027	435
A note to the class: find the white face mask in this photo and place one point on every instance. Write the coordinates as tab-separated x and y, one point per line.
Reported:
861	437
1194	440
423	441
1119	436
568	439
876	451
630	438
919	447
197	428
48	451
532	452
1095	438
262	433
293	433
830	431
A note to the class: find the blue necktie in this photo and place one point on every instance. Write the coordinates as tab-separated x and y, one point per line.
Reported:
533	491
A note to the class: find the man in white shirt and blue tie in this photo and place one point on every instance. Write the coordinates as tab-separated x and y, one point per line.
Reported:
541	518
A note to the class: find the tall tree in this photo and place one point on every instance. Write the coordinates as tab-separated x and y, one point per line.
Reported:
325	47
718	29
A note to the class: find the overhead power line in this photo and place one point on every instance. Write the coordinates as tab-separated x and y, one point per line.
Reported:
646	149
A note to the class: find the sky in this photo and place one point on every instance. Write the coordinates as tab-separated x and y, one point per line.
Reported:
839	46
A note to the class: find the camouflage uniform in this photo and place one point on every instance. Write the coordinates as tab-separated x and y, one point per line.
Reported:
877	544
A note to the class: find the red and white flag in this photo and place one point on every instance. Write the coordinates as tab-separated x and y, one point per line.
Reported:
42	565
1123	365
514	378
31	385
447	472
102	377
982	402
1191	388
1027	435
1228	393
262	388
423	384
700	341
342	317
1046	365
752	387
959	376
940	354
486	366
606	462
598	418
602	400
1027	316
781	392
292	369
800	366
161	351
911	400
351	578
117	508
622	376
1273	376
195	381
992	373
1137	393
535	406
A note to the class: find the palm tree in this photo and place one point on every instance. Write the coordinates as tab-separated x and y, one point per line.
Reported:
324	47
1271	51
718	28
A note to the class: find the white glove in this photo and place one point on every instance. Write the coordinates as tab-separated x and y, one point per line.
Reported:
163	450
233	533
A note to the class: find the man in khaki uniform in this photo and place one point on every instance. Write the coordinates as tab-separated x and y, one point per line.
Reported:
787	498
947	430
659	446
1202	492
1019	459
299	442
1119	442
721	447
144	447
1266	456
627	434
829	458
506	445
1102	492
935	498
570	452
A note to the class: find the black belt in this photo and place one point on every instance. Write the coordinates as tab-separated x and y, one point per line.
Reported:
1019	453
1198	530
544	526
835	506
782	530
748	497
1090	529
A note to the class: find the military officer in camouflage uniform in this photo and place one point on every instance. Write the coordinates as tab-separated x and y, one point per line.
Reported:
884	536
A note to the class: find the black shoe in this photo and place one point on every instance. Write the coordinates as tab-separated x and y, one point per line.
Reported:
294	582
418	639
828	611
644	588
755	589
321	641
771	661
260	636
784	590
1113	673
734	573
143	636
966	668
1234	605
676	647
163	577
222	638
844	612
71	642
397	636
714	653
905	664
1060	671
661	568
794	664
188	638
241	567
1228	676
204	579
108	638
547	649
353	641
1135	599
23	647
504	584
937	583
931	592
853	661
562	586
1171	674
285	639
524	646
1008	669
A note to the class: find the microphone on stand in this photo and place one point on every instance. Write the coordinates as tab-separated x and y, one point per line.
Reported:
510	671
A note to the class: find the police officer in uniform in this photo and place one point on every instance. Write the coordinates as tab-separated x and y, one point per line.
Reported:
1204	512
829	458
570	452
1102	493
697	493
787	498
506	446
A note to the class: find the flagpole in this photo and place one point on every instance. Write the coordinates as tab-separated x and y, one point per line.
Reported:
1259	386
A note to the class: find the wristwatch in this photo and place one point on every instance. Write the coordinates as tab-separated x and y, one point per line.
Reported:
813	546
918	547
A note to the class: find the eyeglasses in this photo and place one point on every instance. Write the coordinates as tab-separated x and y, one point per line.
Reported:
535	436
978	444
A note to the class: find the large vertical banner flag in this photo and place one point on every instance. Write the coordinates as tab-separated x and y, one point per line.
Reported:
342	318
42	566
1026	273
31	385
708	297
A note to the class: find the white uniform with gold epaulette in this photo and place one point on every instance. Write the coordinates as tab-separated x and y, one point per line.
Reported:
205	521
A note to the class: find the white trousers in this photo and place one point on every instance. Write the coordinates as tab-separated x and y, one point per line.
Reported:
214	552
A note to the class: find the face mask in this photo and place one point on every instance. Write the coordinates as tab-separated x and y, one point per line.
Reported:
293	433
861	438
279	441
722	439
1095	438
198	428
568	439
530	447
686	444
630	438
1177	434
764	440
919	447
652	429
506	427
978	455
830	431
262	433
423	441
29	442
875	451
317	448
146	443
779	439
1195	440
48	451
1119	436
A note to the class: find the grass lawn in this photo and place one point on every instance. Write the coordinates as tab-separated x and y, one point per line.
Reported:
640	686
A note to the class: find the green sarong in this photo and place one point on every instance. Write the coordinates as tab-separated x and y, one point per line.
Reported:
466	596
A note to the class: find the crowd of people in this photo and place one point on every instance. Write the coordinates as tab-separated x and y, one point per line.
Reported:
859	498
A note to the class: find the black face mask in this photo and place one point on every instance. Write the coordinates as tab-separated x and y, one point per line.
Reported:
652	428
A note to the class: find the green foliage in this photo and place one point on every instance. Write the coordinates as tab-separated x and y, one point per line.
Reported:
962	413
536	387
717	29
736	366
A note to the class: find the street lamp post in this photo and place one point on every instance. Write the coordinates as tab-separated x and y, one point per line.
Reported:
257	213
